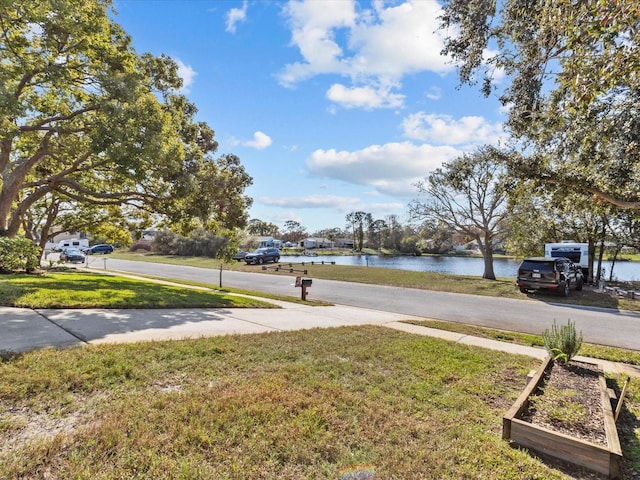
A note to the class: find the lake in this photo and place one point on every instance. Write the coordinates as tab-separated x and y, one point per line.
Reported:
503	267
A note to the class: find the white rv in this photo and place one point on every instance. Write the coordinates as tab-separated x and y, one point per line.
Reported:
78	243
578	253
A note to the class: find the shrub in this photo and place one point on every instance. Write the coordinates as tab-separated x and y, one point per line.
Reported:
18	253
200	243
144	245
563	342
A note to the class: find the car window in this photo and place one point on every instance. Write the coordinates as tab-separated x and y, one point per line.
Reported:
543	267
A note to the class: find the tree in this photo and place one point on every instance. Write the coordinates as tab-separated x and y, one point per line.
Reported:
357	221
469	195
436	236
393	233
574	90
84	120
294	231
329	233
262	228
375	230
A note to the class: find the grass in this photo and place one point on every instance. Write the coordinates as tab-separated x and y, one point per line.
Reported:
588	350
345	403
502	287
70	289
319	404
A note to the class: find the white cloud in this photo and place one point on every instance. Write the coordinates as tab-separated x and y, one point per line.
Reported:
379	47
236	15
342	204
309	201
390	169
444	129
400	39
434	93
260	141
187	74
364	97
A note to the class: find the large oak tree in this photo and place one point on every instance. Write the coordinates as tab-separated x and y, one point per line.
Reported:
86	120
572	85
469	196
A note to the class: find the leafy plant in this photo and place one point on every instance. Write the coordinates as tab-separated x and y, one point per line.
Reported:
18	253
562	342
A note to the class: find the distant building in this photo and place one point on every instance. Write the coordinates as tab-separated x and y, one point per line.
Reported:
268	242
316	243
149	233
343	243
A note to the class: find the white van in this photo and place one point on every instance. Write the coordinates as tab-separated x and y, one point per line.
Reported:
78	243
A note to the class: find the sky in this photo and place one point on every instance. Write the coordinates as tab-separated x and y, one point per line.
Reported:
332	106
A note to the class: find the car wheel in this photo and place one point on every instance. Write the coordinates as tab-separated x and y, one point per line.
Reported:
276	259
524	290
260	261
565	289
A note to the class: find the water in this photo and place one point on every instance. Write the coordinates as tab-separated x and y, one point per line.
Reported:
503	267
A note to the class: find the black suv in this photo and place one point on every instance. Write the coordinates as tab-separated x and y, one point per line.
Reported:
556	274
262	255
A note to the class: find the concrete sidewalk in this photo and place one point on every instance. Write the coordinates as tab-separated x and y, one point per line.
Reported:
22	330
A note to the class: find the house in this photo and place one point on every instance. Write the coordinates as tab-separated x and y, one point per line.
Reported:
268	242
343	243
149	233
316	243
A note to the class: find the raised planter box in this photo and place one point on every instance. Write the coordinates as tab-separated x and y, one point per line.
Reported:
606	460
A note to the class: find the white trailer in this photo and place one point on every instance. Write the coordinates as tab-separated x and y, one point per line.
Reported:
578	253
78	243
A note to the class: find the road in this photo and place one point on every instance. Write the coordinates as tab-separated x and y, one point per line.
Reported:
598	325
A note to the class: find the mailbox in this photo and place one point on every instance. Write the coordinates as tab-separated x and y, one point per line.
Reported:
306	282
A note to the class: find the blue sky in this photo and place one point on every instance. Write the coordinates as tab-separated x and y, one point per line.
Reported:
332	106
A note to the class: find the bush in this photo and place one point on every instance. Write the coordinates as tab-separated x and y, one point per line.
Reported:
144	245
200	243
562	343
18	253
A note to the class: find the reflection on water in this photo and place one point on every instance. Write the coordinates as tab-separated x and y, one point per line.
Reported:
503	267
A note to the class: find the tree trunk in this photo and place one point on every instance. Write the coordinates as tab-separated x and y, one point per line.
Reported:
486	248
600	257
592	254
488	265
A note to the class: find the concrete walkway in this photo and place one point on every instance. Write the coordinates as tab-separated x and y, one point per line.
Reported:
22	330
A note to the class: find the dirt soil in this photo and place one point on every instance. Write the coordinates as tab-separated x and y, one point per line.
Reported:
581	378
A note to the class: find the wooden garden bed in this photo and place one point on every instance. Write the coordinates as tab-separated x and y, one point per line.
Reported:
604	457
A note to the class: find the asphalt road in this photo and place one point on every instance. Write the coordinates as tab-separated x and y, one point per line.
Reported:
598	325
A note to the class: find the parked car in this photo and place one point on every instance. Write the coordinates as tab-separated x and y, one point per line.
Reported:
103	248
262	255
546	273
72	255
240	255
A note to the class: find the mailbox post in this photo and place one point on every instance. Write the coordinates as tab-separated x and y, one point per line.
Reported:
303	283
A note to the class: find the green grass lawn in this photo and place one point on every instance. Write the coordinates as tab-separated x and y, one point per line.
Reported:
71	289
345	403
611	354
